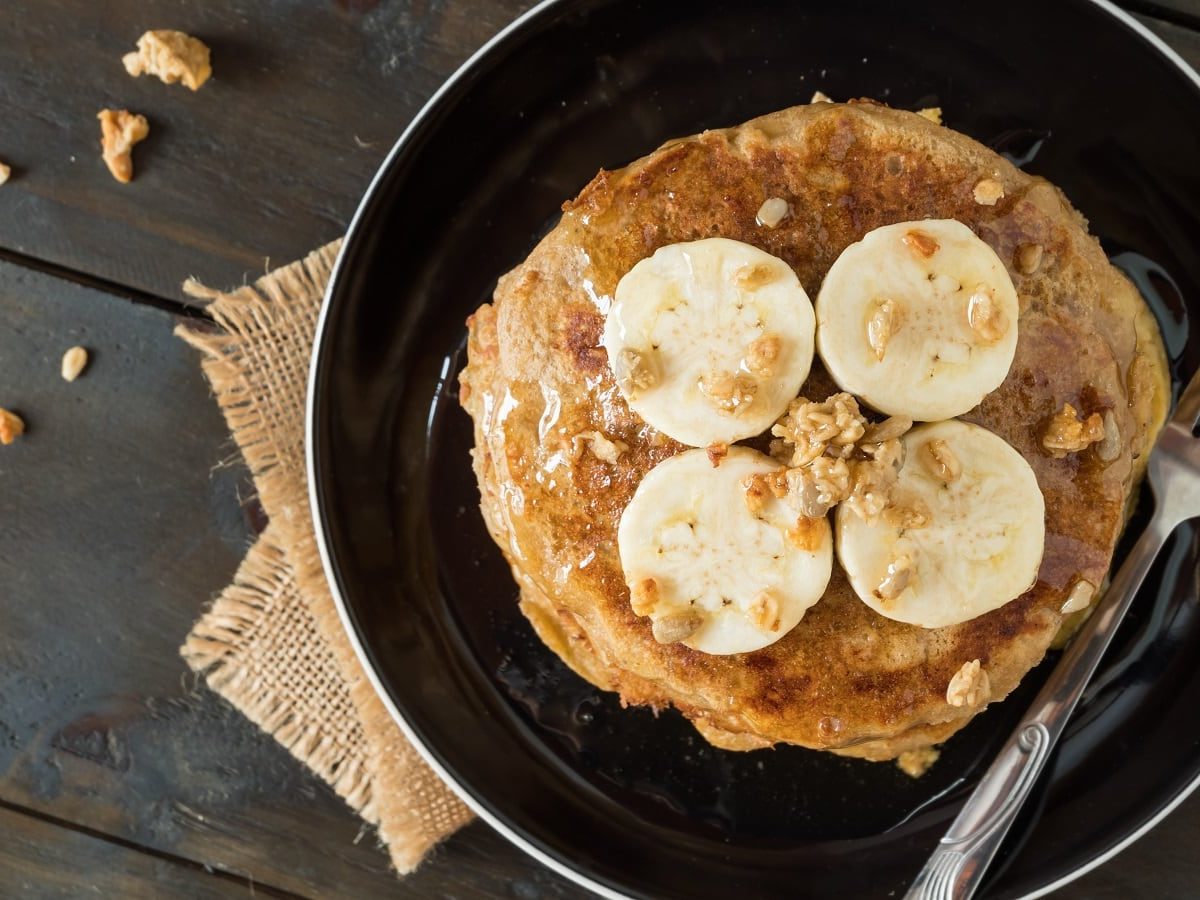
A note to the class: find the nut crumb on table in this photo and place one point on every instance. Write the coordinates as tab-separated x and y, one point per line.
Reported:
5	172
12	426
74	361
119	131
172	56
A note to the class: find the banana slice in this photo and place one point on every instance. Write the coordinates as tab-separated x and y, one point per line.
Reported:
710	340
710	572
919	319
965	534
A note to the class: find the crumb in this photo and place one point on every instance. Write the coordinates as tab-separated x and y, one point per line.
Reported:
602	448
1080	597
12	426
1067	433
988	192
932	113
915	763
73	363
773	211
172	56
716	453
119	131
820	97
969	687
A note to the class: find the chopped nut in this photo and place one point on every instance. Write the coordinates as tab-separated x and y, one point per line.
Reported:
988	191
1067	433
602	448
73	363
969	687
881	326
820	97
5	172
915	763
920	242
752	277
732	393
716	453
1080	597
119	131
896	579
773	211
872	480
635	371
985	317
643	596
807	534
764	612
762	354
818	486
760	488
887	430
932	113
677	627
12	426
1109	447
908	516
172	56
1028	258
833	425
941	461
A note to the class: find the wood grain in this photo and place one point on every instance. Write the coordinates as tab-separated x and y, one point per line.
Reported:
264	163
122	515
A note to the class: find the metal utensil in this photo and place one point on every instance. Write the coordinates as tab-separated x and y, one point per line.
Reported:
957	866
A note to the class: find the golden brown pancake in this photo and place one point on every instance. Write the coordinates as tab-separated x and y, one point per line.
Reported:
846	678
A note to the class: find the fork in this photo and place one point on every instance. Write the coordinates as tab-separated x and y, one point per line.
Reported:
956	867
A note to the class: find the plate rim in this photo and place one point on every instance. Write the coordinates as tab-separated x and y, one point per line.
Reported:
318	517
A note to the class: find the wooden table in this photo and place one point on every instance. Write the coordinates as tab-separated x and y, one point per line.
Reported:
126	508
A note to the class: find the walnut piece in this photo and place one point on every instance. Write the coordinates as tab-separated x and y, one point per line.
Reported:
969	687
716	453
819	486
764	612
897	578
881	326
985	317
677	627
635	371
752	277
728	391
759	489
988	192
932	113
1028	258
813	429
73	363
773	211
762	354
915	763
602	448
806	534
921	243
12	426
643	596
1067	433
172	56
941	461
119	131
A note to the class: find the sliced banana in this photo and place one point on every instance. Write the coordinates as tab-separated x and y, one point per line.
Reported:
919	319
710	340
966	536
707	570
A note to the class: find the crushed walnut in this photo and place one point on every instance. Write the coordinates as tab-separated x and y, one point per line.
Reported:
941	461
764	612
1080	597
1067	433
677	627
832	426
716	453
915	763
1029	258
896	579
602	448
73	363
969	687
752	277
920	242
172	56
635	371
881	326
988	192
12	426
985	317
816	488
807	534
773	211
758	489
728	391
762	354
932	113
119	131
643	596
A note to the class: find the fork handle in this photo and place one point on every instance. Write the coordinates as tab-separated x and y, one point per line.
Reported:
957	866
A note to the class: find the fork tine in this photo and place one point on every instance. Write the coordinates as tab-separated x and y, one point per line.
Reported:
1187	411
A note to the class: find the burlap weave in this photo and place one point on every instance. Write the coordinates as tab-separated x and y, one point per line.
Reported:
272	643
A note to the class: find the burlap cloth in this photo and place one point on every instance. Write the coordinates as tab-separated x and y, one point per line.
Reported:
272	643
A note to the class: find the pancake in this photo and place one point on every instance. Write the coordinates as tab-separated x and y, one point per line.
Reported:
558	453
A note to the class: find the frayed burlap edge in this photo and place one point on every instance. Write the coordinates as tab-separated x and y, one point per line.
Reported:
258	367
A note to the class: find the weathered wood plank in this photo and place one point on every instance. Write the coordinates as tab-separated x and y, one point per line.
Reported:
44	861
266	161
120	518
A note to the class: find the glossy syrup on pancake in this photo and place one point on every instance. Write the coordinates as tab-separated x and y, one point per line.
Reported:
845	678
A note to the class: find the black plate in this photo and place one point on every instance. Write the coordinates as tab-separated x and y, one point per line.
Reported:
615	798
